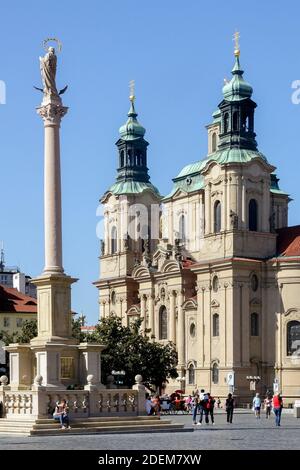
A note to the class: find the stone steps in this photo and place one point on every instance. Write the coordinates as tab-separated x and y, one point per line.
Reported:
105	425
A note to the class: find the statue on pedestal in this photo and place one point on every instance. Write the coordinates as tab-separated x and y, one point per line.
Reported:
48	65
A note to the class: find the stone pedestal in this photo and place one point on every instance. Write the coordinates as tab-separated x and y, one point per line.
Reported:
90	365
54	309
20	365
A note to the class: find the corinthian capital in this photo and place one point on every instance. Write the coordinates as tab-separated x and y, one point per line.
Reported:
52	113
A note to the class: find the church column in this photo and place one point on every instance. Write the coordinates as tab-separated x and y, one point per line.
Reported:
106	234
244	196
172	318
143	312
180	331
150	298
208	221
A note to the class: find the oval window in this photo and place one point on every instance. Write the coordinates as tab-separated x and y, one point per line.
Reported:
254	282
193	330
215	283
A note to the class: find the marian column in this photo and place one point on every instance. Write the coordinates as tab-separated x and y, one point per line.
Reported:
53	286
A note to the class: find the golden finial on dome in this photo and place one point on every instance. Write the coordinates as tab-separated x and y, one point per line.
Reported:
236	39
131	87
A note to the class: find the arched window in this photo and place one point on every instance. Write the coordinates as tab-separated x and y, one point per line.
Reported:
254	282
216	324
215	374
122	158
217	217
226	123
129	158
191	374
293	337
214	142
182	227
235	121
215	283
113	240
163	323
253	213
113	297
254	324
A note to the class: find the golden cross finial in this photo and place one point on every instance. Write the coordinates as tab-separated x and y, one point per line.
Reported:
131	87
236	39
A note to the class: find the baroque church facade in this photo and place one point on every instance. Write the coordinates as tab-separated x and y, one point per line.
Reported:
212	266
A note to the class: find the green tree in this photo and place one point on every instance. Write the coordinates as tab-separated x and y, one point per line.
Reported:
128	350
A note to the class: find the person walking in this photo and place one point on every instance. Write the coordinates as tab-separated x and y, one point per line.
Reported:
257	405
229	405
268	405
195	406
210	409
202	406
218	402
277	407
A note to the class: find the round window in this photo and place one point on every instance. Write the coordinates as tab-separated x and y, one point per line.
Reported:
254	282
215	283
193	330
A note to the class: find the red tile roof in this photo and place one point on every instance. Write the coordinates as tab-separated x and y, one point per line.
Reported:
288	241
12	301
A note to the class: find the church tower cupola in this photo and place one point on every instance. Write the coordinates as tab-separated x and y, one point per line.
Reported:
132	147
237	110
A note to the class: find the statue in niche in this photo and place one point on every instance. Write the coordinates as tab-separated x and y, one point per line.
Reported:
234	219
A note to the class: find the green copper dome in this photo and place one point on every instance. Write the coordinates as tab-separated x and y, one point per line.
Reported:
237	89
132	129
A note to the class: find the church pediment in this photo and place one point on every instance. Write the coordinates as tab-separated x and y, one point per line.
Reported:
179	193
255	302
170	266
215	303
140	271
190	304
134	310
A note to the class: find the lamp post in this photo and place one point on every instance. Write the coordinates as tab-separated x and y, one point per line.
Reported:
118	374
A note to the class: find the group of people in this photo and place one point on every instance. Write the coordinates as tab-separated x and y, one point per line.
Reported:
204	403
274	403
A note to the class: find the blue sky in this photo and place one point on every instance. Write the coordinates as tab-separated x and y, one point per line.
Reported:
178	53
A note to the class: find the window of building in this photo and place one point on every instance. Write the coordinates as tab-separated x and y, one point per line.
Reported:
191	374
215	284
216	324
163	323
293	337
217	217
254	324
253	215
214	142
66	367
226	123
182	227
113	297
122	158
215	374
193	330
254	282
19	322
113	240
6	322
235	121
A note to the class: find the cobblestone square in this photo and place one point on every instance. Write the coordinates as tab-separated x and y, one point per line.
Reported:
246	433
